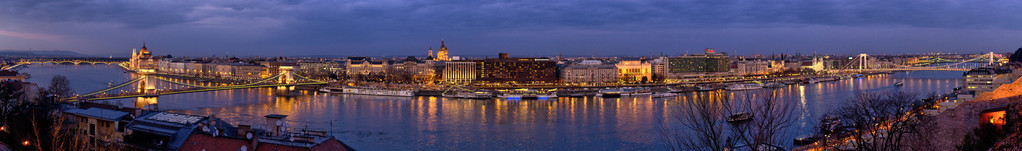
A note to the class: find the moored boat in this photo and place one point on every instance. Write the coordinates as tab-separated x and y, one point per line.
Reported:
739	117
774	85
610	93
376	91
705	88
747	86
664	94
469	95
527	94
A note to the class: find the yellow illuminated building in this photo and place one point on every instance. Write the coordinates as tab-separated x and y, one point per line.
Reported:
634	71
441	54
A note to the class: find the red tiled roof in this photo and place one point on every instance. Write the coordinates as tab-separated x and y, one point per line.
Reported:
331	144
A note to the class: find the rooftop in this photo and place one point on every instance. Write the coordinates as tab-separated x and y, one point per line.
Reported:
99	113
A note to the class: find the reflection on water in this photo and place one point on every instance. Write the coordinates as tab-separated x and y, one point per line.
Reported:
431	123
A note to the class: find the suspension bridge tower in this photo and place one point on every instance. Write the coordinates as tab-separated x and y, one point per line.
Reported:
991	54
147	88
862	61
286	79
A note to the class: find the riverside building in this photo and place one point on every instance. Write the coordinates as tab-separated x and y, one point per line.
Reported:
708	64
517	70
459	72
589	72
632	71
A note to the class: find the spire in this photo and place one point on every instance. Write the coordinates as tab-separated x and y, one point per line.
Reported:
430	52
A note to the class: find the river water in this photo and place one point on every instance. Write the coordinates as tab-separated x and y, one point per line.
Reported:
431	123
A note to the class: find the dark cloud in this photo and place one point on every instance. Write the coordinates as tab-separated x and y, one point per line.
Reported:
396	26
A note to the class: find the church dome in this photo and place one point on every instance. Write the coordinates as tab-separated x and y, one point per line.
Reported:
144	51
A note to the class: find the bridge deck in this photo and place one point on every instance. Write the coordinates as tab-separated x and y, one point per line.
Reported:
171	92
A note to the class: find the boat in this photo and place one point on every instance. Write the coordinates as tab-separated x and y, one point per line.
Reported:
899	84
664	94
807	139
774	85
705	88
576	93
469	95
610	93
330	90
527	94
812	81
747	86
377	91
635	91
739	117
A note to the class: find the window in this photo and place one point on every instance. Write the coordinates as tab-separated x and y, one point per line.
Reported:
92	129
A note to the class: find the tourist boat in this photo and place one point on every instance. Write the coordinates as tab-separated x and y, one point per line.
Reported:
807	139
825	79
747	86
330	90
610	93
635	91
664	94
774	85
576	93
899	84
812	81
705	88
527	94
739	117
469	95
376	91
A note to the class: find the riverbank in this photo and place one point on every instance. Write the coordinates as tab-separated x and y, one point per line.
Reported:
949	128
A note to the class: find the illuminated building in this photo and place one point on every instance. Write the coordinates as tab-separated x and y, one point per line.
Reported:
430	55
589	72
459	71
365	66
98	124
986	79
634	71
318	69
441	54
143	59
659	69
707	62
517	70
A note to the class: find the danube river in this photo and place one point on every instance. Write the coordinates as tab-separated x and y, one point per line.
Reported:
431	123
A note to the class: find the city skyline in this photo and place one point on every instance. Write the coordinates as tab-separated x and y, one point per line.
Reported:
603	28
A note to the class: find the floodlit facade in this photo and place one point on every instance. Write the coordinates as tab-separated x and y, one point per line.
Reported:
589	72
634	71
459	72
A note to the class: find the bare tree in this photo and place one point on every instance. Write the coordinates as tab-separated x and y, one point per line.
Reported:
704	117
51	130
60	86
708	128
773	115
880	121
10	93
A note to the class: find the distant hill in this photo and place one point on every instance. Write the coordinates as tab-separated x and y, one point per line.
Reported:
49	53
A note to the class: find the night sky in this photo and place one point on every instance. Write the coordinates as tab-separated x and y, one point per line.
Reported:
523	28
